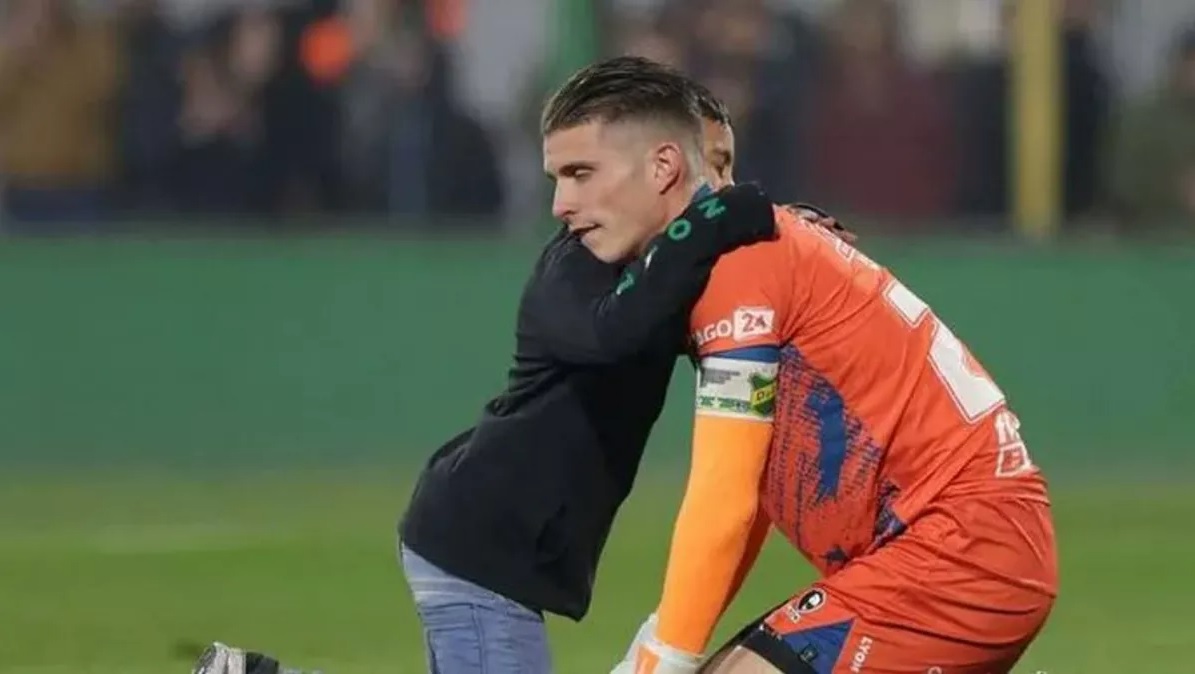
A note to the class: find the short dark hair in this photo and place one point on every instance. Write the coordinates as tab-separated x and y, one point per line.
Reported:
621	89
710	106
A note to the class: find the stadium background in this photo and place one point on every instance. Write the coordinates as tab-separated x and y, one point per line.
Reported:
261	258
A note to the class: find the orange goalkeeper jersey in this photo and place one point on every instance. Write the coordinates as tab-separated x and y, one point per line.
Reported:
876	406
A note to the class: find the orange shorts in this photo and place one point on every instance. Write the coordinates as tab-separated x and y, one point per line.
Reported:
963	591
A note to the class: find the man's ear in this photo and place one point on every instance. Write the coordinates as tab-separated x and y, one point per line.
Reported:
667	165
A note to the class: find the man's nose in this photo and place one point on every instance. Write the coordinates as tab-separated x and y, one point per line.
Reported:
563	207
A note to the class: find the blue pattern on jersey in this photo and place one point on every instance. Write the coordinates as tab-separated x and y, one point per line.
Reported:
836	556
888	525
839	463
826	406
757	354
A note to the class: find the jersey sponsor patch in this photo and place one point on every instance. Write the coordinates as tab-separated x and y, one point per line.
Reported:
743	324
739	389
752	322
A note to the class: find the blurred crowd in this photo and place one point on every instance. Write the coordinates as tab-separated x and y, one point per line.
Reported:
125	110
117	111
844	111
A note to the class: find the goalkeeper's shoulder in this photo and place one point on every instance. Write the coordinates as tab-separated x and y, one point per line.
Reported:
808	214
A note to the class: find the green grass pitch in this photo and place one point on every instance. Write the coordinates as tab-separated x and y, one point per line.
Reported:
117	574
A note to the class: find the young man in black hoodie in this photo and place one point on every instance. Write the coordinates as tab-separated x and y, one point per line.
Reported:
509	518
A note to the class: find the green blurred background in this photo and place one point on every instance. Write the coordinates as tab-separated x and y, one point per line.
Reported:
209	425
214	440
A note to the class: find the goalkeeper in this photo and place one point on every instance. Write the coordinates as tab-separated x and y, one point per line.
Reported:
835	406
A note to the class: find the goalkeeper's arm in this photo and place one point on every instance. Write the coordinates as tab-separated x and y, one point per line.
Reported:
657	290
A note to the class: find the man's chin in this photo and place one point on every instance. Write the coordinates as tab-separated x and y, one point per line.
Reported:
604	253
608	251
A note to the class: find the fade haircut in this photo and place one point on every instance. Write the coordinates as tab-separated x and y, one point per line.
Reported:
626	89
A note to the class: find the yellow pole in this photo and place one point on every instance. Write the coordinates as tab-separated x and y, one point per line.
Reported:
1036	116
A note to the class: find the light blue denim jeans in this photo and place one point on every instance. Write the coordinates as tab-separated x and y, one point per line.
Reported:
468	629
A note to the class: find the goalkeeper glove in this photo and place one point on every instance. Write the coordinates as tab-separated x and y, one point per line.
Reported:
222	659
649	655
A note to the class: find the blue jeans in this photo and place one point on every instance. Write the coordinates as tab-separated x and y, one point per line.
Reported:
468	629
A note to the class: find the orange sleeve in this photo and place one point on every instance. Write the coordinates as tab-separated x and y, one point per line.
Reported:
713	528
737	329
758	536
